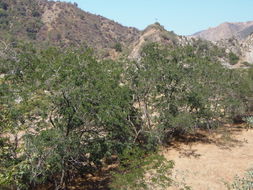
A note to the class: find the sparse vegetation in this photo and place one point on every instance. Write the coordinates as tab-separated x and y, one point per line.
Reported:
244	183
34	21
247	64
249	121
118	47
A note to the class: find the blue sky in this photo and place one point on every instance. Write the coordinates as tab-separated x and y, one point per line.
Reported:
184	17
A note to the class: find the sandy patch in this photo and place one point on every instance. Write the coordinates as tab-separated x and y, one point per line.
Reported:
206	163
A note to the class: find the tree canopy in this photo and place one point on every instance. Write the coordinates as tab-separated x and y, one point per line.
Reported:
63	112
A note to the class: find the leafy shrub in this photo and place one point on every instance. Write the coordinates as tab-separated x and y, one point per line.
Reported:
245	183
3	13
86	116
118	47
249	121
36	13
233	59
141	171
77	111
4	5
161	85
4	23
33	28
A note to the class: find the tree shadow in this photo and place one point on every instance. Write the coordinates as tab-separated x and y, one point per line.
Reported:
96	181
223	137
190	153
226	136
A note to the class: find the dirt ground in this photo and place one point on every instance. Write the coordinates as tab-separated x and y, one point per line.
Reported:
208	160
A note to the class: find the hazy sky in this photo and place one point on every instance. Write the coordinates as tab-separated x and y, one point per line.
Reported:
182	16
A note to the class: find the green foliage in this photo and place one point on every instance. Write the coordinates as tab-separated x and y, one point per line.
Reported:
245	183
118	47
25	17
186	89
233	59
3	13
4	5
32	28
75	104
249	121
63	112
139	170
4	20
36	13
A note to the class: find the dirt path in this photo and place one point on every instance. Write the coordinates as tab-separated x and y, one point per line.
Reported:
205	163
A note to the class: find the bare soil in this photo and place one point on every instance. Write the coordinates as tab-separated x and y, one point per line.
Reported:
209	160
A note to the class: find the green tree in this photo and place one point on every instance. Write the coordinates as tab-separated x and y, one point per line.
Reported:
118	47
140	170
233	59
179	89
75	104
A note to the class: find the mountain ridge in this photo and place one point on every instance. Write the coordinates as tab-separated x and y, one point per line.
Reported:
53	23
226	30
61	24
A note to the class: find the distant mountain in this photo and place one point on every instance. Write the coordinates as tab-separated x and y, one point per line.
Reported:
61	24
239	30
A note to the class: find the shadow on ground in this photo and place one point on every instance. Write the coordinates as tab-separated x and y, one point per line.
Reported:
223	137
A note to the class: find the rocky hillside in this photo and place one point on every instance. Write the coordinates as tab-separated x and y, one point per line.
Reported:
236	38
153	33
61	24
158	34
239	30
247	49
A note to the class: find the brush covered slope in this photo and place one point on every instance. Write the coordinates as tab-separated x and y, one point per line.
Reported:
61	24
235	38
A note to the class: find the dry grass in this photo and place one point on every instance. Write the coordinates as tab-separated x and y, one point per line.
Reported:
208	159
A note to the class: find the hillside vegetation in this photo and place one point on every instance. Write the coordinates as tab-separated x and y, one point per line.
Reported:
86	103
58	23
64	113
234	37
